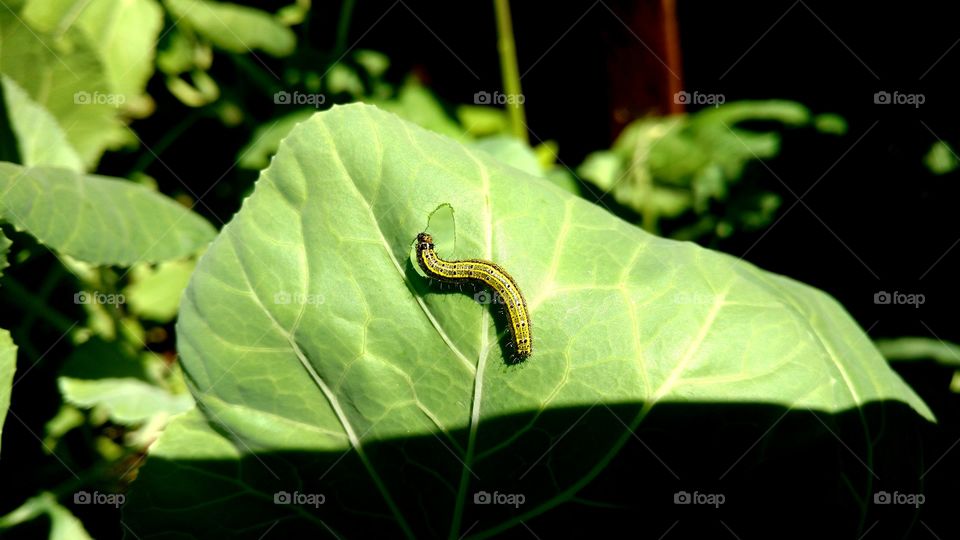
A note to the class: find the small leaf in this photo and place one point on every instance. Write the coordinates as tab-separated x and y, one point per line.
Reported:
233	27
482	121
65	76
8	364
416	103
39	137
98	219
99	374
155	292
919	348
8	351
833	124
511	151
5	244
122	32
941	159
126	401
63	524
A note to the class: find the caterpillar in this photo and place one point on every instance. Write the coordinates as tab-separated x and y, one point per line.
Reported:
483	273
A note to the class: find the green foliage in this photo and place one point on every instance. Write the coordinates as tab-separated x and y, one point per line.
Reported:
39	138
8	364
122	33
82	101
411	101
154	293
8	351
73	74
130	390
666	168
63	524
919	348
912	349
321	339
77	214
233	27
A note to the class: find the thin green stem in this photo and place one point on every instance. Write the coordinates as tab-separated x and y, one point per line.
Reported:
509	71
343	25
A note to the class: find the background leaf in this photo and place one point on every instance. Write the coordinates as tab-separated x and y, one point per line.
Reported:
8	351
155	292
66	76
122	32
941	159
315	351
5	244
63	524
40	140
233	27
920	348
126	388
97	219
8	364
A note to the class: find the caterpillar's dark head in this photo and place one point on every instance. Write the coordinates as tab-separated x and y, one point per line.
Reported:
424	241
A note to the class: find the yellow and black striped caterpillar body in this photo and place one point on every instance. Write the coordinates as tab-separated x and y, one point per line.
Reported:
483	273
